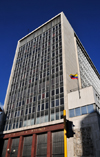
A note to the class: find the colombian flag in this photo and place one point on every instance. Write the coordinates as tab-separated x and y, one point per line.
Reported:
73	76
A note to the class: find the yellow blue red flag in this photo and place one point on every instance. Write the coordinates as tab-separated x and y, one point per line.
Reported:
74	76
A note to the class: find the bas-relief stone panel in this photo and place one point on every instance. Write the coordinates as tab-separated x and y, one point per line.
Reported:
83	143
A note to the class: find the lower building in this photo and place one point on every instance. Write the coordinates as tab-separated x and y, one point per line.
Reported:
47	140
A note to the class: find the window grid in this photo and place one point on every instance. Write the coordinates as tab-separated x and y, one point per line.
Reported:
32	80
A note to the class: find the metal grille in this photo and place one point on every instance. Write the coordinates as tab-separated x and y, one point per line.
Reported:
15	143
4	148
58	144
27	146
41	145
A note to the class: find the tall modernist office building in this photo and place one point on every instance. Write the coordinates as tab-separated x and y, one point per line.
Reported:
40	88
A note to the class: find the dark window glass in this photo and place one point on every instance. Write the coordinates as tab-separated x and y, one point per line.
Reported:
53	92
52	115
61	101
38	107
43	95
33	109
21	112
19	103
4	148
23	103
57	91
39	97
53	70
57	143
13	126
15	143
57	102
27	146
47	94
61	89
34	98
52	103
20	124
47	105
26	111
27	101
17	125
41	145
29	110
15	114
42	108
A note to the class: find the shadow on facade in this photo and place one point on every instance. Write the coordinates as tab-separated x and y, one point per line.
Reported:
87	138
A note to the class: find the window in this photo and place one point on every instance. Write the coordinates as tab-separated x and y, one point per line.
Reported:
38	109
77	111
57	115
30	100
43	95
18	113
27	101
21	112
53	71
27	146
84	110
39	97
52	114
41	145
61	101
47	94
23	103
52	92
90	108
57	102
42	108
47	105
19	103
61	89
52	103
34	99
33	109
71	113
29	110
57	91
26	111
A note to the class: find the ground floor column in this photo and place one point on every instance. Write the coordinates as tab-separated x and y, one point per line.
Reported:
20	147
49	144
33	150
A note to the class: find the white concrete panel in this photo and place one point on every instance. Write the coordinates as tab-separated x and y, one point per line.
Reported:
87	97
68	57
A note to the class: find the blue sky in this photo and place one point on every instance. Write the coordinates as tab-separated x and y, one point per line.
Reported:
18	17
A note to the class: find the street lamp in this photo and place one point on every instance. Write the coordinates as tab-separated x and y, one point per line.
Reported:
13	151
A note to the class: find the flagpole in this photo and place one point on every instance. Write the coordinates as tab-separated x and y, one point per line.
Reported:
78	88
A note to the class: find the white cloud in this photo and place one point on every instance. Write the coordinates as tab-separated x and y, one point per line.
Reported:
1	105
